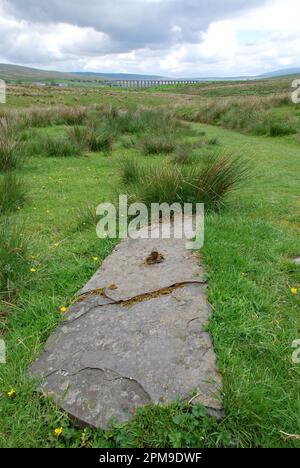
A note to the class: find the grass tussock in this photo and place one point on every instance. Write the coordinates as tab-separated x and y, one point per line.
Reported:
131	170
60	147
73	115
94	128
13	193
41	117
209	182
280	128
139	121
128	141
10	155
157	144
13	257
183	154
90	139
86	217
253	115
218	177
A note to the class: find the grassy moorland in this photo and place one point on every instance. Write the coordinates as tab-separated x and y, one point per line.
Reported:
64	152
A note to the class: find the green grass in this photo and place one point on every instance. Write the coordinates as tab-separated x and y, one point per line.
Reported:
183	154
272	115
13	257
13	192
246	255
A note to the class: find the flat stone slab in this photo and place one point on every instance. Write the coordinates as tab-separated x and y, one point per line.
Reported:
127	273
134	337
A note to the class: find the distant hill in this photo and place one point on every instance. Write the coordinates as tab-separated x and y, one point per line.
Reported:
16	72
273	74
119	76
284	72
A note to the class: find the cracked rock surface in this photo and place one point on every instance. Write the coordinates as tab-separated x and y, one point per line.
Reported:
127	268
135	336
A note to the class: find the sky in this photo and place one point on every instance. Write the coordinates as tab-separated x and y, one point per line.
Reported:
174	38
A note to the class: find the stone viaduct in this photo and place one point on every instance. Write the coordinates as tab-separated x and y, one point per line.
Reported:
146	83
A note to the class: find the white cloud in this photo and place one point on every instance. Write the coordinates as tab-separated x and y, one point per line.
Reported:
271	40
152	36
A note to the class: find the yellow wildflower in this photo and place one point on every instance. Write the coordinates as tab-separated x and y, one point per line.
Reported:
95	259
63	309
294	291
33	270
58	431
83	439
11	393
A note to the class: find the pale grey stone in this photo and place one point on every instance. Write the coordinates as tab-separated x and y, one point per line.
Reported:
126	269
112	355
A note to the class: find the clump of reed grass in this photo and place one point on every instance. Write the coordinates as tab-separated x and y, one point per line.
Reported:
13	257
183	154
128	141
73	115
86	217
39	117
60	147
219	176
13	192
277	128
91	139
157	144
249	114
131	170
209	182
138	121
10	154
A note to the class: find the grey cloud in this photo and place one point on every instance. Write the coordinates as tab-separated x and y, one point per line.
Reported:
133	24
